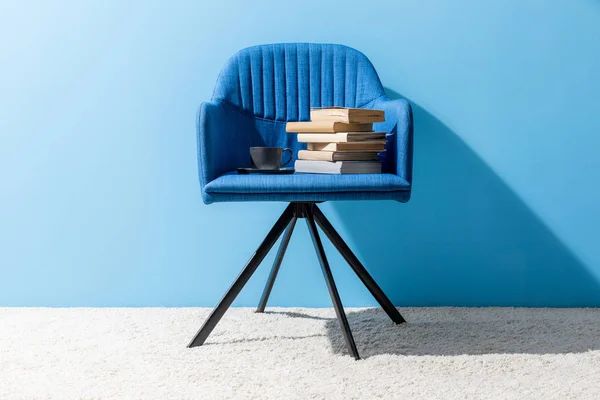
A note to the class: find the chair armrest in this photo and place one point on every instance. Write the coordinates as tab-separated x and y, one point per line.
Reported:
399	125
214	137
224	136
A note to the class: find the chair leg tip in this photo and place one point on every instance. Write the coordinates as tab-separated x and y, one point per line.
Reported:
194	343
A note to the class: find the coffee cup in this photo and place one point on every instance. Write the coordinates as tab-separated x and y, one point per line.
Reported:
269	157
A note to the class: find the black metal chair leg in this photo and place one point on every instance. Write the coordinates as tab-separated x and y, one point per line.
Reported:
335	297
243	277
356	265
276	264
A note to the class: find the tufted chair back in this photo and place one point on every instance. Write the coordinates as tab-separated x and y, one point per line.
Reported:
281	82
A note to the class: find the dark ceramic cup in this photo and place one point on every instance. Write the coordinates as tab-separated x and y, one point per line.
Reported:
269	157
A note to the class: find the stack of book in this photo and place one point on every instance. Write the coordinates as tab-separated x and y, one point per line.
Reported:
340	141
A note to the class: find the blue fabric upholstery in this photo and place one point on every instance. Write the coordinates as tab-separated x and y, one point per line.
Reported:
306	187
305	183
260	89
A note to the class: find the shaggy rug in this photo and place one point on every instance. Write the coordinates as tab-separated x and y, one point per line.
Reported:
441	353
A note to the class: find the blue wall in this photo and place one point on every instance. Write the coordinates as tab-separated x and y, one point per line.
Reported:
99	201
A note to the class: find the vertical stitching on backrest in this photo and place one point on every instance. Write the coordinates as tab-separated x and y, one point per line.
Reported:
262	84
321	72
333	76
240	82
273	87
251	91
345	78
356	85
297	85
309	82
352	62
284	85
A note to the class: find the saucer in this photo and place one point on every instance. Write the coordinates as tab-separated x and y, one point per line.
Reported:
265	171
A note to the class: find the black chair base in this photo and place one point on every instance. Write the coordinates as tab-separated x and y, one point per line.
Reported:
311	213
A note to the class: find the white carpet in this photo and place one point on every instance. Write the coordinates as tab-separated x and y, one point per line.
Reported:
441	353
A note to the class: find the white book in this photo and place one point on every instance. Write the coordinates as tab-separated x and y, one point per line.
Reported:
338	167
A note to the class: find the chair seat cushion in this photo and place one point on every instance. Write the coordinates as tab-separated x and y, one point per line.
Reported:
233	182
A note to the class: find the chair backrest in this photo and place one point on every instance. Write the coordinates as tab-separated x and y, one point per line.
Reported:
282	82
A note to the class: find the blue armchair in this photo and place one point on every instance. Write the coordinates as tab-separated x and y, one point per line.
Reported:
257	92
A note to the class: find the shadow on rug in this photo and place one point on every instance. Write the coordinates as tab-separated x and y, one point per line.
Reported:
468	331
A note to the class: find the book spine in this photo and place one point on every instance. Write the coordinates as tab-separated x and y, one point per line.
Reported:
341	137
322	138
348	119
317	167
315	155
348	116
355	146
326	127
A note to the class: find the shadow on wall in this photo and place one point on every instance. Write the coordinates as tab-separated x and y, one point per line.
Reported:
465	238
